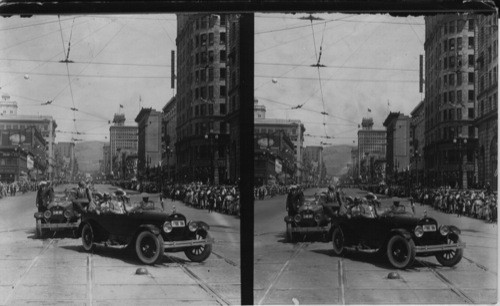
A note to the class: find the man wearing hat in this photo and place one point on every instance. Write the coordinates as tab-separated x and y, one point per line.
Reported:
44	196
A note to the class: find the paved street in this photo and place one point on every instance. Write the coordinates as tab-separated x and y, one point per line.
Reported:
56	270
307	272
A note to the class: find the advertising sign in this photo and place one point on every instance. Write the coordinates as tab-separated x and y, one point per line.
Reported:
29	162
277	166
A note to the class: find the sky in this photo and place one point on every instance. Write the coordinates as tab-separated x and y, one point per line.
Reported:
371	68
117	60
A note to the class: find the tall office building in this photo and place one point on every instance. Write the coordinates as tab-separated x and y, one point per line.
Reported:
202	129
398	142
450	96
121	138
487	100
371	151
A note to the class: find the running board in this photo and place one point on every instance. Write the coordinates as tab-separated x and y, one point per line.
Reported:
439	247
186	243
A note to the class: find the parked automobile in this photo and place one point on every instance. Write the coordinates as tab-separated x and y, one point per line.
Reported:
146	228
309	217
59	215
397	233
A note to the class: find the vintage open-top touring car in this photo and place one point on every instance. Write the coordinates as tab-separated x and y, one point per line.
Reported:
147	228
397	233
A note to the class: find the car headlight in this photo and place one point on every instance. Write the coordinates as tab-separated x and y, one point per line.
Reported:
193	226
67	214
167	227
419	231
444	230
47	214
317	217
38	215
297	218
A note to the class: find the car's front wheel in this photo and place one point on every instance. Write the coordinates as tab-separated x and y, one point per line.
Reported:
88	238
338	241
289	234
451	257
400	251
199	253
149	247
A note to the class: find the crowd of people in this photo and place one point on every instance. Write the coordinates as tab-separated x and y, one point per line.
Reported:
16	187
272	190
220	198
480	203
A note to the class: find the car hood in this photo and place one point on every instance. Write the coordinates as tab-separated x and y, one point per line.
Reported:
307	206
149	215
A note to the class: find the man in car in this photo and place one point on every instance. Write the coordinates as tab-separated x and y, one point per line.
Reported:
44	196
83	193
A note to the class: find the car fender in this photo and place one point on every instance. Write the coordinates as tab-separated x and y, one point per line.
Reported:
92	223
148	227
334	225
454	229
400	231
203	225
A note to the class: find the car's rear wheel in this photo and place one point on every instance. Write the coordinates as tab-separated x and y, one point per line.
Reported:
199	253
149	247
338	241
451	257
400	251
88	238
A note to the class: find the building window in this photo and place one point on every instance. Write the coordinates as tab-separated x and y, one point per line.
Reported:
222	38
459	43
222	73
203	58
196	93
197	41
222	108
222	91
197	76
445	97
196	110
197	59
459	78
471	24
445	63
210	92
459	96
222	55
471	95
471	113
210	39
459	114
203	109
445	45
471	131
452	61
471	77
210	74
204	22
471	42
210	109
203	92
451	79
452	96
471	60
203	39
211	56
203	75
452	44
452	27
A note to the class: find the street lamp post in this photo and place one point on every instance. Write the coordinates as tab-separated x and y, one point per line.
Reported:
459	140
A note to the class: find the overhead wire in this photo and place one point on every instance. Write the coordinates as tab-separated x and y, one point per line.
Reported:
58	54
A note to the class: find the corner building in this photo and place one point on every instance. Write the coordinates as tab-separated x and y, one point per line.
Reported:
450	97
202	145
487	100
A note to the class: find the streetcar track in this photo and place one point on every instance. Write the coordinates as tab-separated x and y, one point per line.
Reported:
90	279
25	272
480	266
341	281
280	273
454	288
204	285
229	261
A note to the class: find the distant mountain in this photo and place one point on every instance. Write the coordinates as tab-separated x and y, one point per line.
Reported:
336	159
88	154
